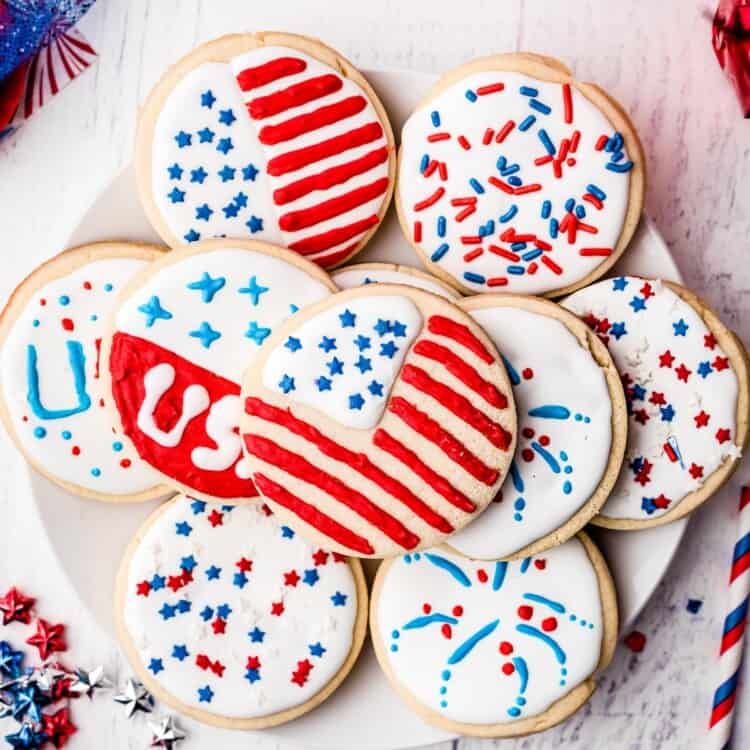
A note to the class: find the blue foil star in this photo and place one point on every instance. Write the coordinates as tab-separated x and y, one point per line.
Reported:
208	286
11	662
154	311
205	334
257	333
253	290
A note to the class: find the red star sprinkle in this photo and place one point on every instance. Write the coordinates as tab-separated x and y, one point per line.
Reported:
540	564
646	290
202	661
683	373
666	359
218	668
174	583
662	501
338	557
244	565
696	472
291	578
48	638
186	576
58	728
723	435
16	607
253	662
591	320
641	416
300	675
219	626
215	518
643	476
658	398
701	420
603	326
143	588
720	363
277	608
635	641
266	509
320	557
709	341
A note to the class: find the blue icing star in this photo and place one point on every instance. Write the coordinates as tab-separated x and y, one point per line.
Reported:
206	613
156	666
348	319
223	611
327	344
213	573
286	383
293	308
310	577
316	649
356	402
323	383
338	599
206	135
254	290
257	333
205	334
198	507
188	563
180	652
176	195
705	369
226	116
183	139
618	330
203	212
363	364
226	173
287	533
240	200
158	582
399	329
154	311
175	172
637	303
680	327
335	366
205	694
208	286
382	326
619	284
167	611
252	675
667	413
224	145
207	99
230	211
183	528
198	175
388	349
362	342
375	388
293	344
184	606
254	224
639	393
648	505
256	635
239	580
249	172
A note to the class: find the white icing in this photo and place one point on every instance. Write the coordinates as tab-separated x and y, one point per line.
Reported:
477	690
310	616
638	340
351	276
551	368
81	448
221	427
307	367
459	116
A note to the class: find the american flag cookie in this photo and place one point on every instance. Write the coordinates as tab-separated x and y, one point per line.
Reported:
269	136
686	386
176	347
378	421
52	398
360	274
495	648
515	177
231	618
572	428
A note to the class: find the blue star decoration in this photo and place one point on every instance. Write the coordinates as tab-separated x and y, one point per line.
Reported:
249	172
253	290
356	402
205	334
240	200
637	303
667	413
176	195
198	507
363	364
183	139
192	236
335	366
188	563
207	99
254	224
183	528
310	577
184	606
639	393
338	599
323	383
167	611
316	649
252	675
158	582
226	117
154	311
680	327
11	662
293	344
26	738
203	212
230	211
348	319
213	573
327	344
28	701
239	580
399	329
375	388
256	635
180	652
257	333
362	342
382	327
205	136
226	173
205	694
206	613
156	666
705	369
287	533
619	284
224	145
208	286
198	175
618	330
388	349
223	611
286	383
175	172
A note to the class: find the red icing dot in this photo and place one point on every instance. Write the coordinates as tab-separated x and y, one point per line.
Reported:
482	575
25	419
125	463
540	564
571	162
527	373
525	612
446	630
101	402
426	608
42	302
508	668
506	648
76	451
528	454
87	285
67	324
544	439
549	624
528	432
458	610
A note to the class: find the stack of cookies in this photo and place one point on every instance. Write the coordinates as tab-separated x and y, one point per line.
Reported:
458	424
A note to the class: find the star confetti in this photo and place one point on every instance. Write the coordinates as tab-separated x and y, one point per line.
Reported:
135	698
48	638
57	727
86	683
165	733
26	738
16	607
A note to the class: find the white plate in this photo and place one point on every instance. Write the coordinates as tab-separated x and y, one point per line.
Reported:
638	559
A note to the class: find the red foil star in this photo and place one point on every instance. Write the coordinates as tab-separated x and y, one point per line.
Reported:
731	41
48	638
15	606
58	728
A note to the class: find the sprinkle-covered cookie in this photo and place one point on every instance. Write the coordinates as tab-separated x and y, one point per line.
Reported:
268	136
378	421
686	386
52	396
181	338
515	177
495	649
572	428
230	617
390	273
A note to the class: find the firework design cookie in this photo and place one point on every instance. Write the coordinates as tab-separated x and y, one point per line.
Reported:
179	342
572	428
268	136
515	177
52	395
391	273
230	617
378	421
686	385
495	649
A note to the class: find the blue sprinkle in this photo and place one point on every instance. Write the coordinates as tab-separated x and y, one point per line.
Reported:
509	214
623	167
39	432
117	446
35	323
512	169
567	487
515	181
64	300
441	226
570	204
596	192
527	123
546	142
618	142
108	287
553	224
516	270
580	212
440	252
519	504
694	606
424	163
394	647
546	209
476	185
470	95
529	91
96	472
532	254
619	156
501	163
475	278
66	434
540	106
517	246
435	117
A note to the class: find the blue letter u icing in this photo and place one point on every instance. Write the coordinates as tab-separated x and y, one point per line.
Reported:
77	361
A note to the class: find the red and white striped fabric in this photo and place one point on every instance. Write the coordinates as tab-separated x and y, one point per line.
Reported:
434	453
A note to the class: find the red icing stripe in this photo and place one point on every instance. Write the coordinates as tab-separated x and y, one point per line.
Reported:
460	333
461	370
291	161
325	240
341	204
456	404
312	516
360	462
294	96
270	135
440	484
253	78
332	259
430	430
300	468
328	178
595	252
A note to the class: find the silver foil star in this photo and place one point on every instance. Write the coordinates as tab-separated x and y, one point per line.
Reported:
135	698
87	683
165	733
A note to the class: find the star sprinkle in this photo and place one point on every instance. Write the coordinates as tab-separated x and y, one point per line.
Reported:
619	284
153	312
198	175
48	638
249	172
226	173
375	388
316	649
58	728
87	683
192	236
327	344
286	384
165	733
226	117
183	139
256	635
175	172
180	652
207	99
205	334
206	135
208	286
16	607
680	327
135	698
356	402
26	738
203	213
254	290
205	694
293	344
11	662
224	145
176	195
348	319
338	599
254	224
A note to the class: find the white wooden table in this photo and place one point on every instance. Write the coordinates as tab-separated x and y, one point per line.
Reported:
654	57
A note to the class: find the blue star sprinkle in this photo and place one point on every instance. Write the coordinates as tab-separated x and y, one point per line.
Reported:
183	139
619	284
188	563
230	211
316	649
639	393
254	224
254	290
356	402
286	383
648	505
637	303
348	319
175	172
198	175
207	99
176	195
293	344
180	652
694	606
338	599
206	613
335	366
388	349
203	212
382	327
362	342
223	611
705	369
183	528
226	173
363	364
680	327
208	286
198	507
167	611
375	388
310	577
205	334
257	333
667	413
158	582
327	344
224	145
252	675
256	635
399	329
205	136
249	173
323	383
618	330
239	580
184	606
293	308
226	117
213	573
156	666
240	200
192	236
154	311
287	533
205	694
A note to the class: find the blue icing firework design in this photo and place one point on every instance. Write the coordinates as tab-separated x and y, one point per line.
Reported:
490	642
50	374
344	360
233	613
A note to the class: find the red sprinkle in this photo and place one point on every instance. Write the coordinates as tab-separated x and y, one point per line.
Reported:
431	167
503	253
525	612
600	143
593	200
468	211
502	134
506	648
431	200
588	252
498	281
508	668
567	103
482	575
491	88
504	186
464	143
67	324
438	137
473	255
488	136
575	140
443	171
417	231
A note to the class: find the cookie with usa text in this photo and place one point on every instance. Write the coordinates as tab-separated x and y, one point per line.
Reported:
572	427
230	617
513	176
52	400
686	386
360	274
269	136
495	649
176	347
378	421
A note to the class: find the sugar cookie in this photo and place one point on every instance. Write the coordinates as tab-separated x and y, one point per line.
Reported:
390	273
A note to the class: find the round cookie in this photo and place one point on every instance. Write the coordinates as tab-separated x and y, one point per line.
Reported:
184	332
495	649
229	617
572	428
269	135
686	386
513	176
52	397
378	421
391	273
